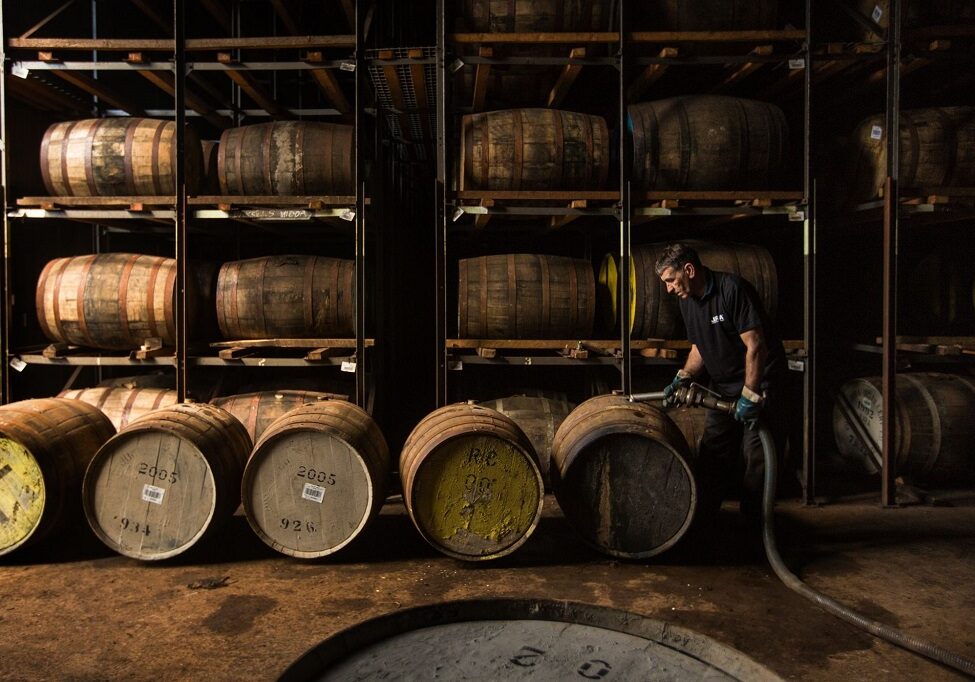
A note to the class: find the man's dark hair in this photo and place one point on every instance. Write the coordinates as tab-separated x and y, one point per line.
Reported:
676	256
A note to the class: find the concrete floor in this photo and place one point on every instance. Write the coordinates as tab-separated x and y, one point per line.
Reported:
71	611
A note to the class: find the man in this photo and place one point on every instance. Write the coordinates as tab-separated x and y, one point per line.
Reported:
734	343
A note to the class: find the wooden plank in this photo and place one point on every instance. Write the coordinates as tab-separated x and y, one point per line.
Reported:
715	36
46	20
558	221
117	202
482	73
328	84
165	82
291	343
548	38
562	196
743	71
99	90
268	200
302	42
965	341
482	219
719	195
253	89
235	353
567	78
42	94
650	75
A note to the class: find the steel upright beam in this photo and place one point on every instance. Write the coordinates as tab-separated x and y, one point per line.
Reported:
809	281
891	219
360	211
625	155
440	249
7	310
182	270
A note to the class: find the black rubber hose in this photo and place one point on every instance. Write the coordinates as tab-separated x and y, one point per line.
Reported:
890	634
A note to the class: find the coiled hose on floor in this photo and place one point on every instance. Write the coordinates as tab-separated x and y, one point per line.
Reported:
890	634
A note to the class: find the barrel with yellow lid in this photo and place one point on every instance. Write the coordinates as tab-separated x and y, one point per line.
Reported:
471	482
45	446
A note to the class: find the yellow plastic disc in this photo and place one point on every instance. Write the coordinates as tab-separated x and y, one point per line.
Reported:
22	494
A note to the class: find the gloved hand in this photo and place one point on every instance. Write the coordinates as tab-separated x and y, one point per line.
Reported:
682	379
749	407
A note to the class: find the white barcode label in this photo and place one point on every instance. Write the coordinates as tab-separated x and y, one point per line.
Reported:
151	493
455	365
799	63
876	133
797	365
347	66
18	364
19	70
315	493
877	13
348	366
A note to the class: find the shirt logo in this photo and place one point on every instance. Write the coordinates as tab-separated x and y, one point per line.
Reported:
717	318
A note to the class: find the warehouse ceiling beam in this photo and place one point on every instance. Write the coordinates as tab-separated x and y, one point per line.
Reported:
742	71
192	44
252	88
94	87
567	78
482	73
348	9
287	18
328	84
46	20
43	95
216	10
165	82
166	25
650	75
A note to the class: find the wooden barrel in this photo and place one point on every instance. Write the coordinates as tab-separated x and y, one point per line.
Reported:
122	405
656	314
110	300
691	422
527	16
934	429
706	15
211	178
316	478
935	151
914	13
166	481
286	296
623	476
117	157
471	482
940	294
287	158
539	418
525	296
707	142
257	411
533	149
510	86
45	445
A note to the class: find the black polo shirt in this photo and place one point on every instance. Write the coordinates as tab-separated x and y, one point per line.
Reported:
730	305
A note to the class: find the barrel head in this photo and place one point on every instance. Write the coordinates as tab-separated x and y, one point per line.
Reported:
477	497
22	495
149	494
307	493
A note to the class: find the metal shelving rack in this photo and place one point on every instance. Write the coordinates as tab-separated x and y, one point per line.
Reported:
181	216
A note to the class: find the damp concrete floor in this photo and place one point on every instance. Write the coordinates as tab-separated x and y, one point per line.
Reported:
236	610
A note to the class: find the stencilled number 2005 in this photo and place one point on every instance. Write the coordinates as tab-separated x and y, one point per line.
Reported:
315	475
158	473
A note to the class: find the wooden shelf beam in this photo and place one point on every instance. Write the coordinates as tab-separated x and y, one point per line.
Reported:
650	75
165	24
164	81
103	92
567	78
253	89
328	84
482	74
192	44
743	71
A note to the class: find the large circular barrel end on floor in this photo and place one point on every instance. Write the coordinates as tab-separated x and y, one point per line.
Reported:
167	480
45	445
316	478
471	482
623	476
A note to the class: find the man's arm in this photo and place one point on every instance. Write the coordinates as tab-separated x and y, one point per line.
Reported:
695	363
755	354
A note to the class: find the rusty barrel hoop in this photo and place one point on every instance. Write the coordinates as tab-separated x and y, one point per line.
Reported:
623	476
329	462
193	452
45	445
464	501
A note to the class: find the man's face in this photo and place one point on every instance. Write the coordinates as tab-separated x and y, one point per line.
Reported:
678	281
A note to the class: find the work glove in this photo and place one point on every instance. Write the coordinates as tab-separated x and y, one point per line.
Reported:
682	379
748	408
